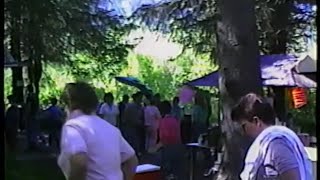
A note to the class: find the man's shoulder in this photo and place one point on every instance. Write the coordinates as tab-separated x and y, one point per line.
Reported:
279	150
278	143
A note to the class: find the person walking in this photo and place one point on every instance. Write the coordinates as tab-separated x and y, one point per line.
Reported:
91	148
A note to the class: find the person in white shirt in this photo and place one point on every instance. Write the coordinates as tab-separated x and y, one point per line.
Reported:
91	148
108	110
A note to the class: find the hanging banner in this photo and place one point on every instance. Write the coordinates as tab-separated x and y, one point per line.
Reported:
299	97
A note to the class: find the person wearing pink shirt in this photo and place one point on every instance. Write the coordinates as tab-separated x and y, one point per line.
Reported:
169	146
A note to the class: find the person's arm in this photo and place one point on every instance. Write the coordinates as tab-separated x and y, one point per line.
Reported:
292	174
101	110
158	114
129	167
116	110
129	159
283	159
78	166
72	143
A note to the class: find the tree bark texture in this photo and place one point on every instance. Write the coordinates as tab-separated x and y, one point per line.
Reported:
15	50
238	57
35	55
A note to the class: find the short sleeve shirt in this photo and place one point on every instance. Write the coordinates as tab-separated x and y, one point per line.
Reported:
109	113
279	159
103	143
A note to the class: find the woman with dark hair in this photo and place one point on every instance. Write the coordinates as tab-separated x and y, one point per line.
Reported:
169	128
169	142
91	148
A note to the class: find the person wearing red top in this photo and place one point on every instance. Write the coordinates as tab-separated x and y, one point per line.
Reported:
169	146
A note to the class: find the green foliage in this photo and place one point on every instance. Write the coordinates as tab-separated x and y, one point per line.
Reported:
58	31
166	79
53	29
163	78
7	83
192	23
305	116
53	81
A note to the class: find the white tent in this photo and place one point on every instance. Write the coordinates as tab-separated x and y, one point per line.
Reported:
306	65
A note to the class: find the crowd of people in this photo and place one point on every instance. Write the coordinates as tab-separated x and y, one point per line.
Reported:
105	140
145	119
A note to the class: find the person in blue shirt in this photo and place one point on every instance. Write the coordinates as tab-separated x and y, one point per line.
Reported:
54	120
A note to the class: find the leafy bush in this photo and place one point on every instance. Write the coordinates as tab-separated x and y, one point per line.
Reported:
305	116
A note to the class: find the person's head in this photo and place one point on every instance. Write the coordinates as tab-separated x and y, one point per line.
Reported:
175	101
80	96
125	98
254	114
149	100
12	99
200	100
137	98
157	97
53	101
165	108
108	98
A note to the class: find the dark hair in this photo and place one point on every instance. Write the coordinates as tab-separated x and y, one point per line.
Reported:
108	95
137	95
53	101
157	96
252	105
125	97
80	95
165	108
200	100
151	99
175	100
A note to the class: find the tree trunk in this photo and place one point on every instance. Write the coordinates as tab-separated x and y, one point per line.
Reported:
238	56
278	45
35	56
17	78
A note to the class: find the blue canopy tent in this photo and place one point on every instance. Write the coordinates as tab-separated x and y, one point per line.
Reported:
132	81
276	70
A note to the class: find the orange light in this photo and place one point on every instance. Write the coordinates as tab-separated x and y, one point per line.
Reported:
299	97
